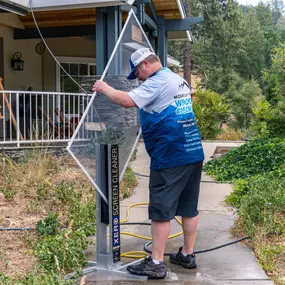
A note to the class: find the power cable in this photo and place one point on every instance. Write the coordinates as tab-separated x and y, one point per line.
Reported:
199	251
203	181
142	254
17	229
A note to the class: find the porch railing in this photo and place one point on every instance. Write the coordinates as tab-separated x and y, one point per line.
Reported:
40	117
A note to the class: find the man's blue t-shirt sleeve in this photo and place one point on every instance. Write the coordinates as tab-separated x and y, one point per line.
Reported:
145	93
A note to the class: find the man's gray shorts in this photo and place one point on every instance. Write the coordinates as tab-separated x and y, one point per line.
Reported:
174	192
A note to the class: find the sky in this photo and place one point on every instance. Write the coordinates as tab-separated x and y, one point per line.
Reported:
250	2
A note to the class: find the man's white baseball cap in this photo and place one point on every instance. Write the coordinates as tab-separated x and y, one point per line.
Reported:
136	58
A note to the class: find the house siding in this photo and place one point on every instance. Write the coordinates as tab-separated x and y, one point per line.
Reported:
67	47
32	74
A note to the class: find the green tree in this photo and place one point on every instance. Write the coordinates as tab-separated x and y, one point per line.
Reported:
281	28
175	48
272	37
269	120
252	55
277	8
274	77
210	110
243	96
218	40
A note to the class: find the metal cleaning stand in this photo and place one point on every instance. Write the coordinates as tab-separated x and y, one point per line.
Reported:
107	177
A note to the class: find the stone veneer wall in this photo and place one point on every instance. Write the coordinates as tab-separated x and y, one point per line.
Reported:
113	115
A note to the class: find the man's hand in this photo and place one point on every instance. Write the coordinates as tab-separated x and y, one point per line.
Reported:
120	97
102	87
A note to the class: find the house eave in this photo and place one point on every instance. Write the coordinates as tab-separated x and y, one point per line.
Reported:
43	5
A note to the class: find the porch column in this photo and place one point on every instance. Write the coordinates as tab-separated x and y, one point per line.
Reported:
108	29
114	28
101	40
162	41
140	11
152	38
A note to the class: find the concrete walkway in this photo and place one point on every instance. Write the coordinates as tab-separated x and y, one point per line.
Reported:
234	264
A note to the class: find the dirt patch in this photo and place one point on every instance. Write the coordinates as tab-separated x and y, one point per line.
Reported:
16	256
31	202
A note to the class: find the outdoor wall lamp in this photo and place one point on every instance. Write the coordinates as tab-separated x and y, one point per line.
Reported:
17	63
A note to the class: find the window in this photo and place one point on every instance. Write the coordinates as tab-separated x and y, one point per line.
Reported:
78	71
78	68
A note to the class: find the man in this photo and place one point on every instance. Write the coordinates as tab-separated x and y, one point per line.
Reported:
173	143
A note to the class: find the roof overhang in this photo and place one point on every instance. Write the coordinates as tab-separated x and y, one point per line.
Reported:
44	5
174	10
61	13
14	7
183	14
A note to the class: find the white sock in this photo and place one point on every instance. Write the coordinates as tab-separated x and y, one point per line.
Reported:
155	261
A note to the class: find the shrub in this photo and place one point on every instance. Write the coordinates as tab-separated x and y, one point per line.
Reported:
242	95
264	207
83	217
269	121
258	156
128	183
210	110
229	134
63	252
66	194
49	226
243	186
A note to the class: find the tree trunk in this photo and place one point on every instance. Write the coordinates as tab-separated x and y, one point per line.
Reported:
187	61
187	50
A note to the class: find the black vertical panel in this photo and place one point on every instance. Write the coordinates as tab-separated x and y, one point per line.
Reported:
1	58
104	174
114	201
101	40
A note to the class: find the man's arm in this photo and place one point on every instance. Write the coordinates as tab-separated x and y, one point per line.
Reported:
120	97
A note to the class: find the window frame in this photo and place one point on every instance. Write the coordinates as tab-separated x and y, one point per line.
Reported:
72	60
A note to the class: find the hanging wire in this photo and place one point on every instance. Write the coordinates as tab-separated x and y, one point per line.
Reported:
35	21
59	64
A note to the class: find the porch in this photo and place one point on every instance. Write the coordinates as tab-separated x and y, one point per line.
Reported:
29	118
81	37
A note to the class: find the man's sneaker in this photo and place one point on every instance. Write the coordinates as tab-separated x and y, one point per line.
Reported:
188	261
148	268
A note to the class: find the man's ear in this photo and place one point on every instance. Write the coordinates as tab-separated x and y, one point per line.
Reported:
145	62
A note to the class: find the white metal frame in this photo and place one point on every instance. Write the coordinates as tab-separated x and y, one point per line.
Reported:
131	13
105	263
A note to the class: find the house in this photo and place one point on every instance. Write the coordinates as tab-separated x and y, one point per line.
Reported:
41	104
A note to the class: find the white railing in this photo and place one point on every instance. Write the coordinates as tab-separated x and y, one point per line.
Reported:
40	117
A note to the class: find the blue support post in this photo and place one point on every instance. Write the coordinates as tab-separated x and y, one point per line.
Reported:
113	32
182	24
113	29
101	40
162	41
140	11
152	39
